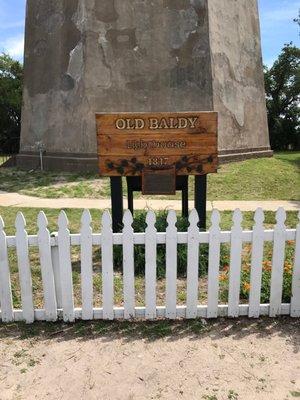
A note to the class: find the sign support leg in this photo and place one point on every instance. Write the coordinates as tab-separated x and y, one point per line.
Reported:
185	197
130	199
116	202
130	188
200	199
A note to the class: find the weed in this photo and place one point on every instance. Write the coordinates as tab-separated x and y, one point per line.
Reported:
20	354
32	362
232	395
295	393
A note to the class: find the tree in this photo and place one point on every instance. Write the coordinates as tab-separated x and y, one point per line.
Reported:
297	20
282	83
11	77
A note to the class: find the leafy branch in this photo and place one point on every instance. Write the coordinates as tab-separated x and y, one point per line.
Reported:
133	166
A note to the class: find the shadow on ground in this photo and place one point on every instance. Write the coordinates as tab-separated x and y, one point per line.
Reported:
151	331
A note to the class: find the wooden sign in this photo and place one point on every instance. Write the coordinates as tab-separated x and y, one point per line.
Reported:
131	143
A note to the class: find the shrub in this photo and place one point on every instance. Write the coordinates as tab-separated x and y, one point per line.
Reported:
139	225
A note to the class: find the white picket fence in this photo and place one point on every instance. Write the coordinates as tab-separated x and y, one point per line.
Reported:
56	268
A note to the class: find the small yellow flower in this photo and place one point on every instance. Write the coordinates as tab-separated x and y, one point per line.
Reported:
288	268
246	267
246	286
248	248
267	265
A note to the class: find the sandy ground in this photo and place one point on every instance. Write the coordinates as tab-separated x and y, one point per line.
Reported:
20	200
181	360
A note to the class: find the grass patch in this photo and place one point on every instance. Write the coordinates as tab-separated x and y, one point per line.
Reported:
107	329
53	184
274	178
151	331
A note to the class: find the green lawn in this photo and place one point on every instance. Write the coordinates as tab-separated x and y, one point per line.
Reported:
53	184
276	178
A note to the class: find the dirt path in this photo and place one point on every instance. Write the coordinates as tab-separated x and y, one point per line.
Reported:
129	361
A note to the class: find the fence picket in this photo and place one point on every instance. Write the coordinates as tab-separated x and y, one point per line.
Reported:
128	266
86	251
192	266
6	301
150	266
46	268
278	263
295	301
65	268
256	263
56	273
56	268
235	264
171	265
24	268
213	265
107	267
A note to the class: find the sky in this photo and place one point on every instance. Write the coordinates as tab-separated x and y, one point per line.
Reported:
276	18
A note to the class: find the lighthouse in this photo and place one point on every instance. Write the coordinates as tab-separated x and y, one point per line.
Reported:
89	56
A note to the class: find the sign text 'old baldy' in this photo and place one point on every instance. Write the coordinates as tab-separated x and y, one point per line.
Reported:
132	143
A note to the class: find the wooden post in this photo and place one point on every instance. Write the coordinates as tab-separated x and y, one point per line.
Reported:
200	199
116	202
185	197
130	194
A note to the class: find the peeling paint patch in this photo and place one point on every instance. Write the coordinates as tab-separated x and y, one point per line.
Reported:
76	63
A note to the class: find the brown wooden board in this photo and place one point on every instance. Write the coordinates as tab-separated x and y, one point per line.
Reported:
130	143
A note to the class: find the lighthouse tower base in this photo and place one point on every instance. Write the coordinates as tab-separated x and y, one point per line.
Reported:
88	56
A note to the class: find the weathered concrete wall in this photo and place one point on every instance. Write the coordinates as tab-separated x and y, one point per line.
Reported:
238	82
90	56
87	56
55	97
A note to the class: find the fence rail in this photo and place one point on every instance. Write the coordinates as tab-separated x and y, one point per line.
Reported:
56	268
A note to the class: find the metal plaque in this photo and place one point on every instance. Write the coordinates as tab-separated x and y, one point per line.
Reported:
159	182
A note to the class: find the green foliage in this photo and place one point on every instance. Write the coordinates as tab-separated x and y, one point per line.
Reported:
266	275
139	225
282	83
11	76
